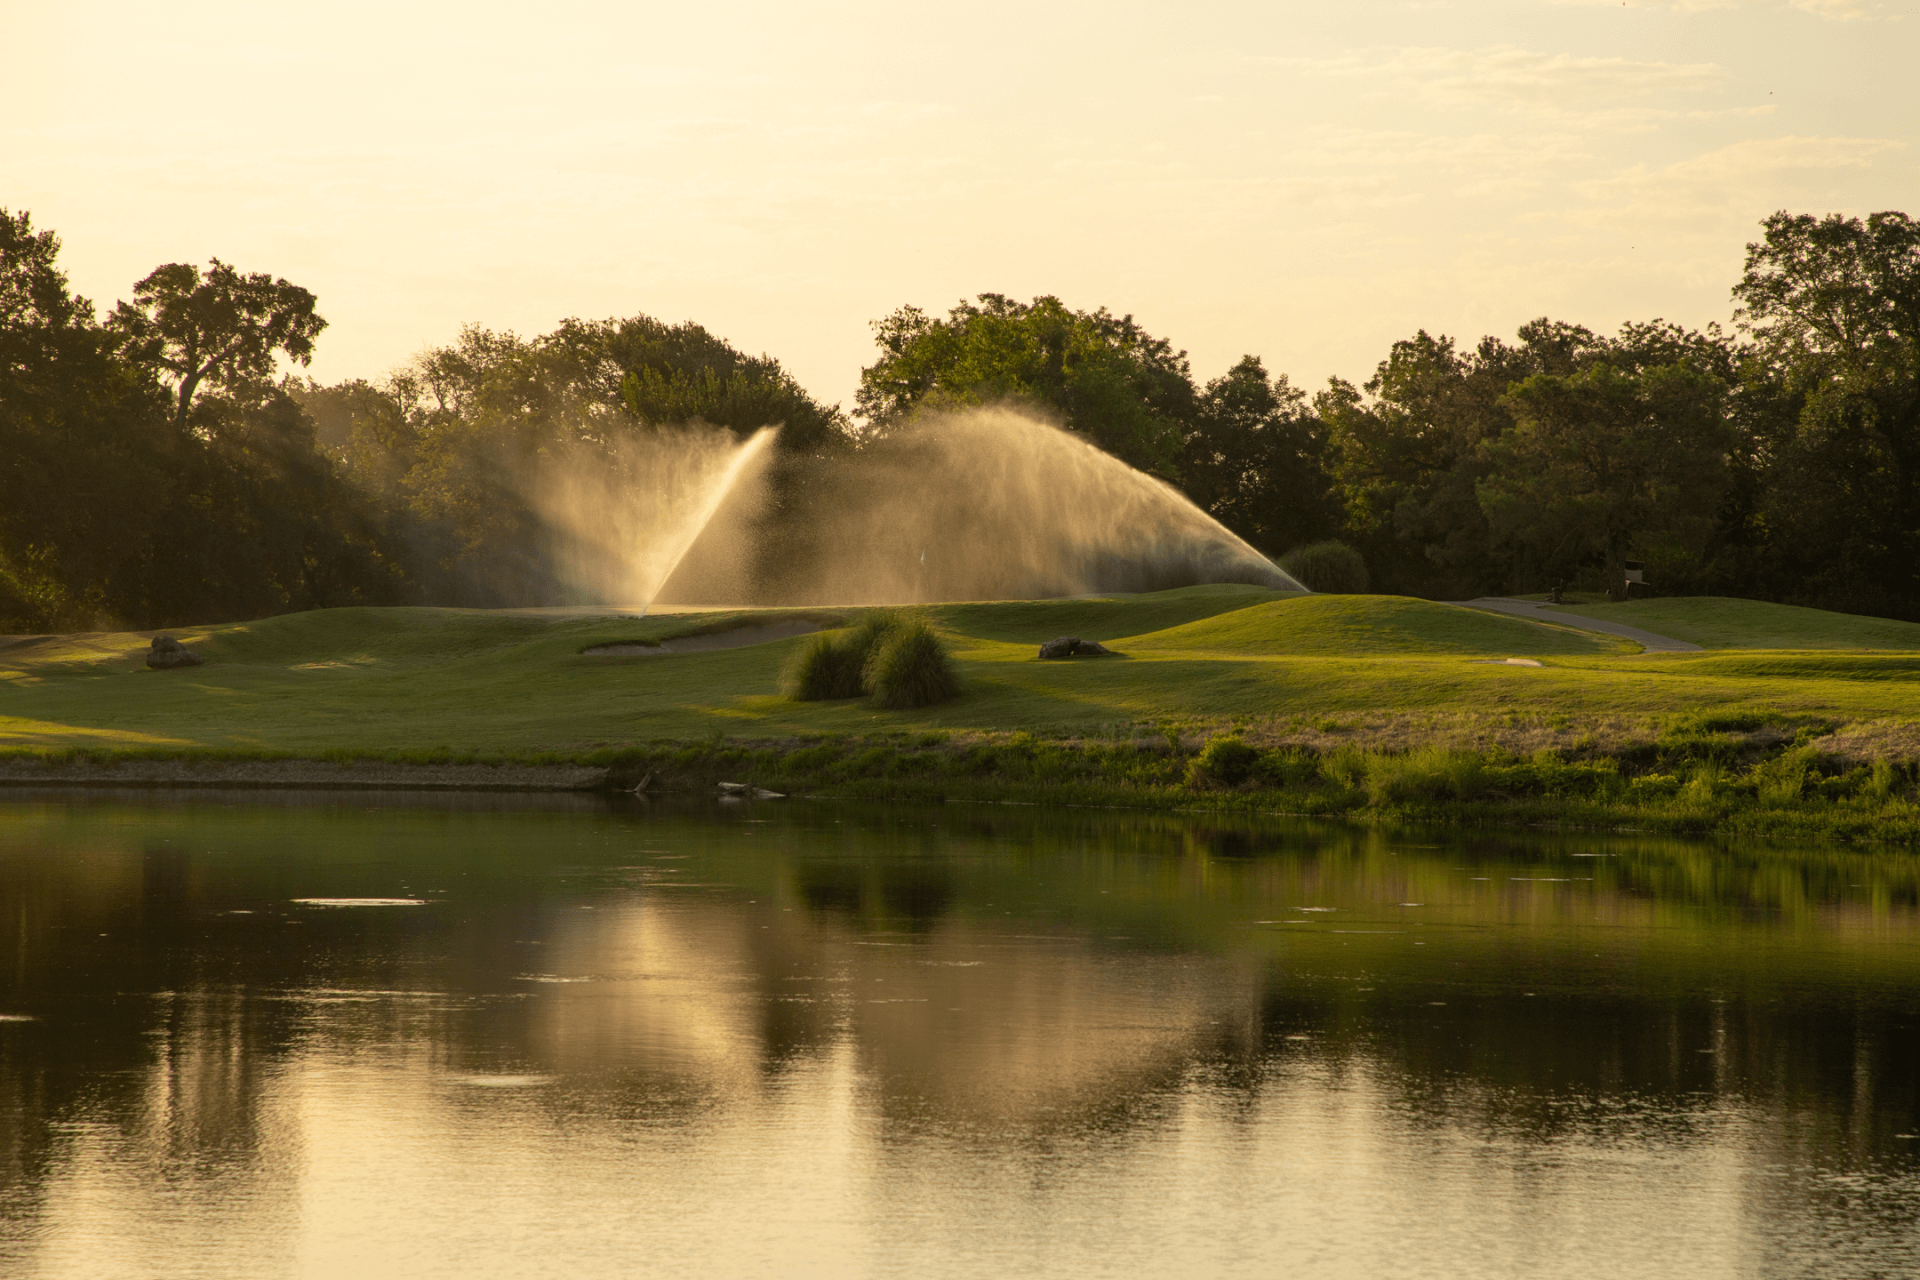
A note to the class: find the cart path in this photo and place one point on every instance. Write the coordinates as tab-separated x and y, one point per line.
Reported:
1541	611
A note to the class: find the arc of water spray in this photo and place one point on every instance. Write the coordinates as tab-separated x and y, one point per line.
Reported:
752	449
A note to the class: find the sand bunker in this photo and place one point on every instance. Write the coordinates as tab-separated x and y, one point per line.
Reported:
737	638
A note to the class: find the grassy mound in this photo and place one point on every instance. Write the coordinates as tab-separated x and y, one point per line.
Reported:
1354	626
1716	622
1098	618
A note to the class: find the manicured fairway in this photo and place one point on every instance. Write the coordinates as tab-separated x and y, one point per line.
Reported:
388	680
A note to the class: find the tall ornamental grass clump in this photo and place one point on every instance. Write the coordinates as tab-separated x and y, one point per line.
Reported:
1331	567
896	658
908	667
825	667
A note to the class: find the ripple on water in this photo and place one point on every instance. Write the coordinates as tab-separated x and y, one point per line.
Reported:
547	977
503	1081
361	902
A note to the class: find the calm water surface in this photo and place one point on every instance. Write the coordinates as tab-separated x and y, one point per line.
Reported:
798	1039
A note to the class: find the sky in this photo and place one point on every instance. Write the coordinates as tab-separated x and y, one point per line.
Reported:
1304	182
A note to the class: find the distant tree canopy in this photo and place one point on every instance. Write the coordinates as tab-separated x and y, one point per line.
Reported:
1520	467
1253	458
1245	447
1101	375
450	440
157	467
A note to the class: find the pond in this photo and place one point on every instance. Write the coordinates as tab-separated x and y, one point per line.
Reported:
318	1035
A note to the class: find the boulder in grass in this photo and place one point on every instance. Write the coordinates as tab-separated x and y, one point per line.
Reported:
168	654
1072	647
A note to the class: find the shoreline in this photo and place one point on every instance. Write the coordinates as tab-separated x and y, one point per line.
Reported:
1700	781
301	775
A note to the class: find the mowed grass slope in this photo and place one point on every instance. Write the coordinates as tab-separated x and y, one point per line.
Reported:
502	684
1375	626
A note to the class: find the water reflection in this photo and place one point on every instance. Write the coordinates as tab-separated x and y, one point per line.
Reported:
829	1040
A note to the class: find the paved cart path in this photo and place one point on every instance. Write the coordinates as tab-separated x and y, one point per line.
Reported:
1541	611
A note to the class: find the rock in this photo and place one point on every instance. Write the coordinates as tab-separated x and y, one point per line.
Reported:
746	791
1072	647
168	653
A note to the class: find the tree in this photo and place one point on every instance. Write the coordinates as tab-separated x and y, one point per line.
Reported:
1252	459
1602	462
223	329
1833	306
82	445
1102	375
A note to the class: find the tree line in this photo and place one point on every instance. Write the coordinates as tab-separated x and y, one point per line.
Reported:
159	465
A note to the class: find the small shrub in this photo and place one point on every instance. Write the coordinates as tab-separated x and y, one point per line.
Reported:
1649	786
1286	767
1428	775
1225	760
1705	784
1880	784
908	667
808	759
1783	781
1842	786
1332	567
1466	774
1344	766
823	668
890	655
868	634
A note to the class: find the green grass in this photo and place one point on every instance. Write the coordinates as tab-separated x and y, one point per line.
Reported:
1380	673
1715	622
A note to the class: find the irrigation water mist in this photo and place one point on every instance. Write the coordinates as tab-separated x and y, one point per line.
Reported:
986	504
726	543
626	513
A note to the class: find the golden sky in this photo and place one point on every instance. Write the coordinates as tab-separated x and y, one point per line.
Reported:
1307	182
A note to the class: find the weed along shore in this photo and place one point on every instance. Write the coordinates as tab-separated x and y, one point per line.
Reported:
1788	722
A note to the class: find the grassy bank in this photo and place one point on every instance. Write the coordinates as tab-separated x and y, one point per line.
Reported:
1361	705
